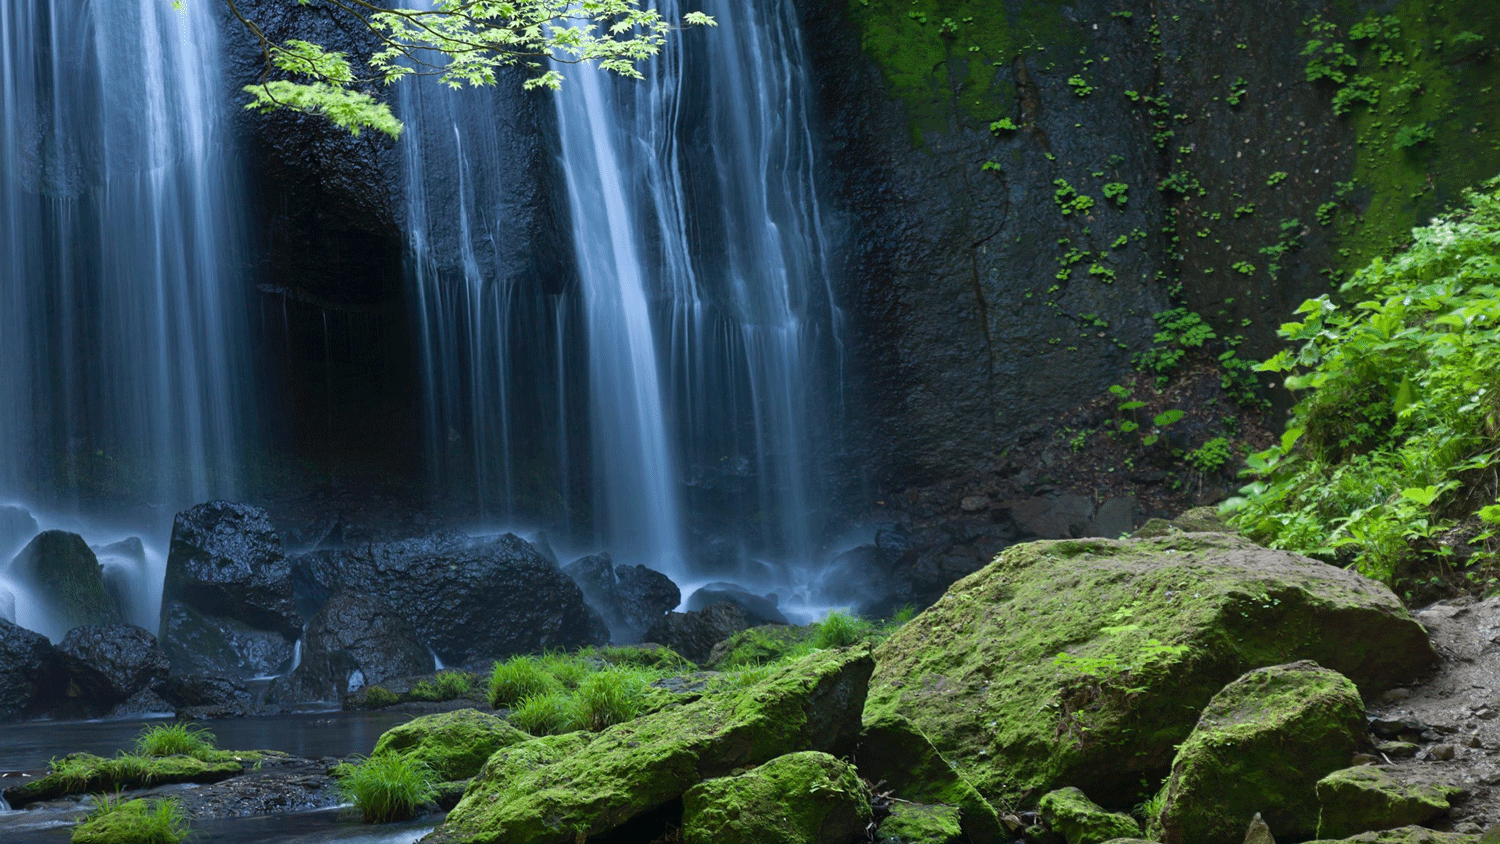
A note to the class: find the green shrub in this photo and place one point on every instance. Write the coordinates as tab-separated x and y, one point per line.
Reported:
517	678
118	821
177	740
567	669
447	685
1394	438
378	697
386	787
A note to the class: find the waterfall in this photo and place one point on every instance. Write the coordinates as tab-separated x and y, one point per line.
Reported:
120	332
121	302
696	327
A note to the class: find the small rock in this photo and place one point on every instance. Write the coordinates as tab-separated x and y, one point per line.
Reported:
973	503
1259	833
1473	741
1441	753
1395	695
1363	759
1467	828
1397	749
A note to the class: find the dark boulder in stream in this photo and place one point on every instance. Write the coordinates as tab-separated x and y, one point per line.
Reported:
109	664
467	599
30	672
64	575
355	640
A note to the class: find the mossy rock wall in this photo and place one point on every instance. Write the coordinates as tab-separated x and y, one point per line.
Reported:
1085	663
981	307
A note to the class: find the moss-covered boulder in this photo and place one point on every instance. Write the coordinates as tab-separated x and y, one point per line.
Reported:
1085	662
894	752
1079	820
564	789
63	574
85	773
800	798
1262	745
1371	798
915	823
1405	835
454	744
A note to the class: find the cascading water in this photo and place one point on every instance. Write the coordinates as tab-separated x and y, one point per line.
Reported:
121	340
709	334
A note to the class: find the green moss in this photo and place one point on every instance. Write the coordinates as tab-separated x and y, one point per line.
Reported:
892	750
1080	820
1428	79
1262	744
84	773
1366	798
1026	689
799	798
914	823
119	821
942	55
558	789
760	645
455	745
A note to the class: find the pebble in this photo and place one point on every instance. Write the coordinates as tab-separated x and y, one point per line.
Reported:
1395	695
1441	753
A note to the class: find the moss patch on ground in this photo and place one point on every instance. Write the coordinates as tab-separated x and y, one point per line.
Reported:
85	773
1366	798
454	745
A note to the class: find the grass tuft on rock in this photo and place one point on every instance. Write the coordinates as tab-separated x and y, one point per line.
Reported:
517	678
119	821
386	787
192	740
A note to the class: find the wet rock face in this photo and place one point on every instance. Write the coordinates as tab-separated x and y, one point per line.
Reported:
357	633
109	664
694	634
30	672
226	561
466	599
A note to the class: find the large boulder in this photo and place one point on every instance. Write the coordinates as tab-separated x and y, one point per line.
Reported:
562	789
1026	688
200	644
1261	745
799	798
467	599
207	696
645	595
455	745
694	634
30	672
916	823
109	664
225	561
353	641
759	609
16	527
63	576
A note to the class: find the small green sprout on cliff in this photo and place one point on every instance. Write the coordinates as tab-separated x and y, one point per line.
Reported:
1411	136
1069	201
1117	192
1080	86
1237	91
1003	126
1276	178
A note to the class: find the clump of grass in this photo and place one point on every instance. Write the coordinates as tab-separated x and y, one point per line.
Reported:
568	669
655	658
544	713
840	630
119	821
176	740
517	678
386	787
609	697
379	697
742	678
447	685
903	615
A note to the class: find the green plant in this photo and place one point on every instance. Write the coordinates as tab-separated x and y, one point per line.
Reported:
1237	91
176	740
516	678
377	697
1408	137
1178	330
1276	178
386	787
1080	86
1068	200
1209	457
446	685
1003	126
542	713
1394	434
115	820
609	697
1117	192
837	630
